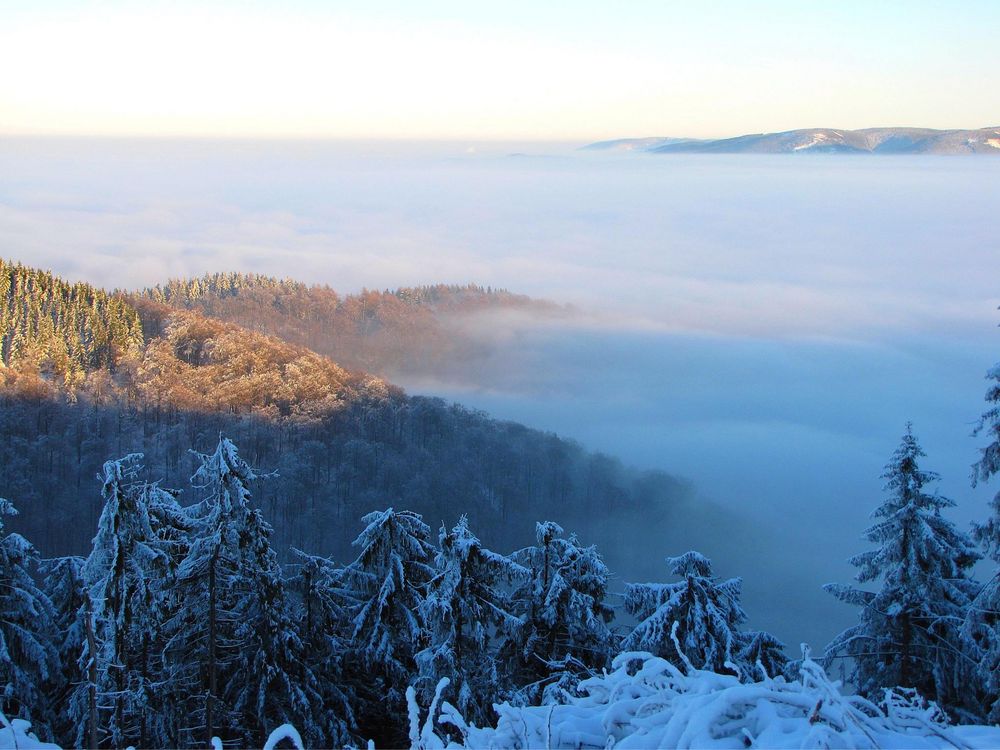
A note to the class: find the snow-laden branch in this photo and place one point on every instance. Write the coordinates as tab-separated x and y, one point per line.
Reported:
284	732
645	701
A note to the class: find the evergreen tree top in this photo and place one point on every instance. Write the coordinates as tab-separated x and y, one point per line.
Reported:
690	563
226	475
904	478
913	538
187	291
390	528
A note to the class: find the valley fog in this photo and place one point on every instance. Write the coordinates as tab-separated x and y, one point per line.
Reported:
762	326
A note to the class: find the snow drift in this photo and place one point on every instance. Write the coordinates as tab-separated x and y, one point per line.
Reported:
15	734
647	702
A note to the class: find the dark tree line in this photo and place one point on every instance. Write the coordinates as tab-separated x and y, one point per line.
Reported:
436	458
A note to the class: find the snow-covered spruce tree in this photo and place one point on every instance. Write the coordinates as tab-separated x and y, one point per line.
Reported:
234	654
908	632
469	616
28	655
707	612
982	625
171	529
123	578
385	587
565	637
63	583
324	629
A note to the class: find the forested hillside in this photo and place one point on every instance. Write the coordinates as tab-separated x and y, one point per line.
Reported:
338	442
409	331
65	329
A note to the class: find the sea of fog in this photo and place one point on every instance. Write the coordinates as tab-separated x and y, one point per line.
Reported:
763	326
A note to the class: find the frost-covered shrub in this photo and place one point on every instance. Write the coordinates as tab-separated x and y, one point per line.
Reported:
645	701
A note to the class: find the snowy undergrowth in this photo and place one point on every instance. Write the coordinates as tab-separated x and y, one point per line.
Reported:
647	702
16	733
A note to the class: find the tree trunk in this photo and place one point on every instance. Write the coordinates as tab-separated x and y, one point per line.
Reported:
143	739
91	672
210	698
905	650
906	627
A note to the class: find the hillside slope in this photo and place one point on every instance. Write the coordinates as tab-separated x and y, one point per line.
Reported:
415	331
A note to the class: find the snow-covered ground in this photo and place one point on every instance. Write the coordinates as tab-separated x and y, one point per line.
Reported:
646	702
15	734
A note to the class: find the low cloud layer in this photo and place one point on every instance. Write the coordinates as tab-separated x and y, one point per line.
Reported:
789	435
812	246
763	326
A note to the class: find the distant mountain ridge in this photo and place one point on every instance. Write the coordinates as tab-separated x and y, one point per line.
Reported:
822	140
637	144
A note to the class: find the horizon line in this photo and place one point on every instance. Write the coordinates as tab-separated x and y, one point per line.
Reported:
457	138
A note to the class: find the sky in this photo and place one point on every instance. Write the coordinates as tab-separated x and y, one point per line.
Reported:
522	69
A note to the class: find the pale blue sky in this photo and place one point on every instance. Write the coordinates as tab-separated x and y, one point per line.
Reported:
516	69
